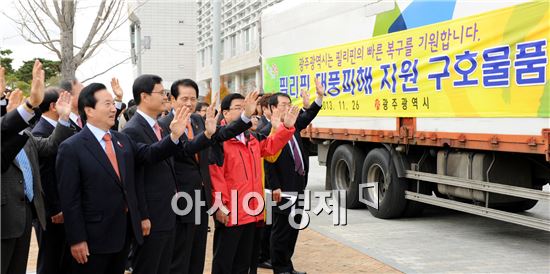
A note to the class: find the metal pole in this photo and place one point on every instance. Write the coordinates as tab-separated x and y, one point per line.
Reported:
216	47
138	47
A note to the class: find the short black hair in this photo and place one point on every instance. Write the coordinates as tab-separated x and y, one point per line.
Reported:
67	85
200	105
264	101
274	98
87	98
184	83
50	96
144	84
131	103
226	102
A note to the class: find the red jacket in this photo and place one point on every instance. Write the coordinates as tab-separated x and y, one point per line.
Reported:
241	170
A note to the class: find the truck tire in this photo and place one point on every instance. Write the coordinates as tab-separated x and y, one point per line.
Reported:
378	167
520	206
343	177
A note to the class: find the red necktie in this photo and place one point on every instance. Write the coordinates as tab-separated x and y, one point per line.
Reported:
190	136
79	121
158	131
111	153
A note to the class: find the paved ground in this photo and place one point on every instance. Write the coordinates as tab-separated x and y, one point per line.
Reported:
315	253
441	240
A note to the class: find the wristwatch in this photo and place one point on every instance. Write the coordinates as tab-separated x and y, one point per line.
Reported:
31	107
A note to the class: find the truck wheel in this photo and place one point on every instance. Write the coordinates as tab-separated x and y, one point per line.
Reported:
378	168
343	177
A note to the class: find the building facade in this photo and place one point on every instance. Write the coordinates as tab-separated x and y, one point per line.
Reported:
240	43
163	38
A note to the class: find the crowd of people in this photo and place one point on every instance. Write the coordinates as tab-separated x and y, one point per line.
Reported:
102	182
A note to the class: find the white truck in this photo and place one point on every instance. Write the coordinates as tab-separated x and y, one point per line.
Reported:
427	102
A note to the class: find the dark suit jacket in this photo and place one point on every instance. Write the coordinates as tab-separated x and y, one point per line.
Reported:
47	170
13	193
157	182
11	124
93	198
192	175
262	124
282	174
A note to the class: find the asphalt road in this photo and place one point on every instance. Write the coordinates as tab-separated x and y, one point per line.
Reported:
440	240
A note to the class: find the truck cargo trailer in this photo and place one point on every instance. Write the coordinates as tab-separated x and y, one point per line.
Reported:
426	102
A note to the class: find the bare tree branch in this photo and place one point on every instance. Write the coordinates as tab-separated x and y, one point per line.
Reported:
91	34
105	71
43	6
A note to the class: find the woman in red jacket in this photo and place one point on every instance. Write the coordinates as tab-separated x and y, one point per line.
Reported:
236	172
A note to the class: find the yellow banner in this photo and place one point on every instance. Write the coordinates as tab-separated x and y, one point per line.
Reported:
489	65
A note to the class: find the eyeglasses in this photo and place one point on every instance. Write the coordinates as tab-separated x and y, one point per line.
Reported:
163	93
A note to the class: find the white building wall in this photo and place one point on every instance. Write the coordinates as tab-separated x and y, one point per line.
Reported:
236	17
172	28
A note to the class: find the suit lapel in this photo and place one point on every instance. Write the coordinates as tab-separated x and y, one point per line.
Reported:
97	151
148	130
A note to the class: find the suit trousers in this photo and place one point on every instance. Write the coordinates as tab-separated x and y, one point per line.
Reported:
155	254
190	246
233	248
15	251
53	252
283	242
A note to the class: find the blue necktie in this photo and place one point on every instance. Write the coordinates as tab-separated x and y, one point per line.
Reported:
25	166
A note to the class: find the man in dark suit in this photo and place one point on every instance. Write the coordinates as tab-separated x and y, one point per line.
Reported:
97	183
158	181
53	254
22	199
193	175
15	121
75	87
289	174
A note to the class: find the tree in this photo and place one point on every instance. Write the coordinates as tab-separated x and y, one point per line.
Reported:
22	77
36	17
5	60
51	69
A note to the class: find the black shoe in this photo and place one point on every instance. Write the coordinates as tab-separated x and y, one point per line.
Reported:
297	272
265	264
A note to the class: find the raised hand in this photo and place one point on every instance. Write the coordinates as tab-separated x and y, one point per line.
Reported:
305	98
275	119
250	103
320	90
291	116
2	80
15	100
37	85
177	127
117	90
211	123
63	105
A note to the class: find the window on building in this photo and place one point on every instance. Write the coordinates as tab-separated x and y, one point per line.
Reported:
202	57
222	50
247	39
210	51
233	39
